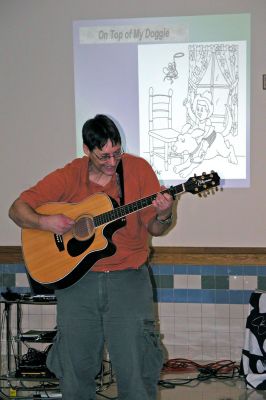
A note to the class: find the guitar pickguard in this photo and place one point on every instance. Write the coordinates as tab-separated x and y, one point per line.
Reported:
76	247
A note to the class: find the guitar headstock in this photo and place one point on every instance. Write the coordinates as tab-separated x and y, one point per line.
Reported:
202	183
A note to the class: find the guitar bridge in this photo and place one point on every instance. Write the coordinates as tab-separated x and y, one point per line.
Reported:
59	242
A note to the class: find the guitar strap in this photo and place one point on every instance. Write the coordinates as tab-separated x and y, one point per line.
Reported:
120	182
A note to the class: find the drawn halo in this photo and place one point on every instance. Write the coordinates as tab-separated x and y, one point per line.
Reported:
179	54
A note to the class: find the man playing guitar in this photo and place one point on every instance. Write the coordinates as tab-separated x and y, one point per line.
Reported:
98	265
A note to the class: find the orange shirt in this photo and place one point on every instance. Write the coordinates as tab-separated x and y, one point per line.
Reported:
71	184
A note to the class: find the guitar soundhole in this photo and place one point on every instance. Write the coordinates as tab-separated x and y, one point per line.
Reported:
83	228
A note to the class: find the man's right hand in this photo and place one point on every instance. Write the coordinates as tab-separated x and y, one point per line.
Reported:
58	223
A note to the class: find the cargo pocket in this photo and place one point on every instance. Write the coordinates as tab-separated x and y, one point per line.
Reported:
152	351
54	360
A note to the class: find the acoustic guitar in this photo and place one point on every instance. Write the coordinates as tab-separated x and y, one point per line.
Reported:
58	261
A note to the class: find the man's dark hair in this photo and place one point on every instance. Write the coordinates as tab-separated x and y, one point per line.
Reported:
98	130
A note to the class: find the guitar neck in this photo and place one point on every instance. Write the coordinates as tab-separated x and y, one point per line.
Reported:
122	211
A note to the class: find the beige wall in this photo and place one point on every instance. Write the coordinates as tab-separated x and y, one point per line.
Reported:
38	121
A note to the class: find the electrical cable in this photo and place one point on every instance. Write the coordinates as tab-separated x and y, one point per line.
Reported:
224	369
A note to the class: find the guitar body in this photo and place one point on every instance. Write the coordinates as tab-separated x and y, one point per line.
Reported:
57	261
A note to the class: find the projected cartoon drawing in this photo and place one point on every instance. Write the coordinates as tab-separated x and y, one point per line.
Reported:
162	137
198	118
170	71
199	139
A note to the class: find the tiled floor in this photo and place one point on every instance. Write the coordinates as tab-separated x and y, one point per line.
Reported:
228	389
187	384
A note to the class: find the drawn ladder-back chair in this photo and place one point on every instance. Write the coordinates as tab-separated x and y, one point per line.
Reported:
161	134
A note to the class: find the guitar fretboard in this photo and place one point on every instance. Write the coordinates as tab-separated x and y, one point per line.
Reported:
130	208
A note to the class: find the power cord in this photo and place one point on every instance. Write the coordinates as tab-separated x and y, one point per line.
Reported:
34	357
224	369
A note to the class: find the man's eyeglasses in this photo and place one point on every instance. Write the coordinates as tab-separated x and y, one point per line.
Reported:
106	157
